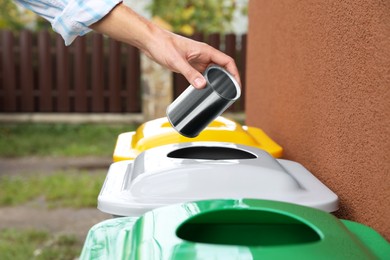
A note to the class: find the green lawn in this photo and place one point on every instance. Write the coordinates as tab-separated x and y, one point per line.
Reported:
37	244
71	188
18	140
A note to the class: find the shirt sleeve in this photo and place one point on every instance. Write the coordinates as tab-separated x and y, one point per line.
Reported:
70	18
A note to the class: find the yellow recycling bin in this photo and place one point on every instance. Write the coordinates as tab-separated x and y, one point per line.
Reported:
159	132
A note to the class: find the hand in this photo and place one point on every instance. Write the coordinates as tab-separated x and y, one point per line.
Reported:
187	56
170	50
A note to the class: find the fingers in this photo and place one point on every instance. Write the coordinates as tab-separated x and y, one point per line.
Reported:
193	76
232	68
197	80
227	62
193	57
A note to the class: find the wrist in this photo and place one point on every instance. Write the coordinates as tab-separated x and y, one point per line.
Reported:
150	37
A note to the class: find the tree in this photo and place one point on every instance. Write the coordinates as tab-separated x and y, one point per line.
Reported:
189	16
17	18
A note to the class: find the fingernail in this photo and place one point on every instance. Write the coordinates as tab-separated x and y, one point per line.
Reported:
199	82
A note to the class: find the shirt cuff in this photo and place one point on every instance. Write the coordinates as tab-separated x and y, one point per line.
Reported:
77	16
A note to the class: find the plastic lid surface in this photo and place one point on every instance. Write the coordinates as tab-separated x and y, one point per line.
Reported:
209	230
190	171
159	132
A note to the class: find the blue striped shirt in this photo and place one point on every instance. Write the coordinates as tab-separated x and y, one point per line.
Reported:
70	18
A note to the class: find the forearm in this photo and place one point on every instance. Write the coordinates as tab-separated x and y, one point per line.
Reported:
125	25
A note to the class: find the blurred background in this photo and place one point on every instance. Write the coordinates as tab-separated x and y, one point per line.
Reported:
183	16
62	108
99	75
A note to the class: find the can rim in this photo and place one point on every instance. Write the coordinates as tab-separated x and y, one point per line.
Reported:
235	83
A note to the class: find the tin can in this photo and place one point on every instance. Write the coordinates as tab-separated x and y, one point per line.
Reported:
194	109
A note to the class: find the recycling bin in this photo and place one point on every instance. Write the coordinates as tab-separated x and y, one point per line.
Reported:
159	132
182	172
234	229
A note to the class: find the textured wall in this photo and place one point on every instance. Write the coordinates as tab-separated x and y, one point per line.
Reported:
319	84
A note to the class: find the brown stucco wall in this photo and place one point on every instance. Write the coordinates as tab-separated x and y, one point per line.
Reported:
318	76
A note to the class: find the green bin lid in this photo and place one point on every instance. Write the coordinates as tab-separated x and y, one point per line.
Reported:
234	229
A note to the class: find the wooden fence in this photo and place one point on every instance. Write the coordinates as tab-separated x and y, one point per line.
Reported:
95	74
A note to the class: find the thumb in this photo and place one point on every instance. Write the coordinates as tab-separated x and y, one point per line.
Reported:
193	76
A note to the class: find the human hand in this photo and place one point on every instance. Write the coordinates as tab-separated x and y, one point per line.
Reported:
186	56
170	50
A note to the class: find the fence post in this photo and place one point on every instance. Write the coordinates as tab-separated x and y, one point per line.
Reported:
133	79
45	72
26	72
63	81
214	40
9	74
114	76
231	50
97	73
80	74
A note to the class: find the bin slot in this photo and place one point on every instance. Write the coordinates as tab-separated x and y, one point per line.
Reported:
246	228
211	153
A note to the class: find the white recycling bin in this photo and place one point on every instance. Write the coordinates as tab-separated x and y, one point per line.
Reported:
184	172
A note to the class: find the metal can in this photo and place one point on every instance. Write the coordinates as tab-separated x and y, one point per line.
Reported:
194	109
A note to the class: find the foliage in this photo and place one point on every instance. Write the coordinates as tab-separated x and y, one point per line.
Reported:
59	139
37	244
16	18
189	16
181	16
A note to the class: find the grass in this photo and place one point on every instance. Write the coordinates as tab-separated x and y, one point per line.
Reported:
37	244
18	140
73	188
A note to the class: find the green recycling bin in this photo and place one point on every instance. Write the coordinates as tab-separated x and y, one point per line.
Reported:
234	229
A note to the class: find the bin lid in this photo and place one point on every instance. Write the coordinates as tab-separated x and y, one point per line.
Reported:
208	170
159	132
234	229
